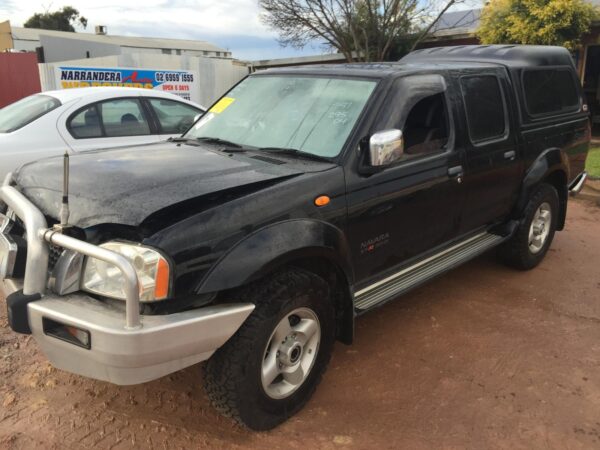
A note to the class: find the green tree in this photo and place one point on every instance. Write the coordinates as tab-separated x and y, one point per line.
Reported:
542	22
60	20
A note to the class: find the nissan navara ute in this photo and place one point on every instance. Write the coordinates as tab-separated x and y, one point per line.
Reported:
304	198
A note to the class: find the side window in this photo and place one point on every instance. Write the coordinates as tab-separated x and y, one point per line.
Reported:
485	107
426	126
85	124
174	117
123	117
549	91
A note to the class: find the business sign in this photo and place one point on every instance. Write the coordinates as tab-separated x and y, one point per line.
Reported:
179	82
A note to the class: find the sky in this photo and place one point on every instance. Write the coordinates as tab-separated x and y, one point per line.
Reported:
231	24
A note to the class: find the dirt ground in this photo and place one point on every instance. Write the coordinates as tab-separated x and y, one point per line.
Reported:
483	357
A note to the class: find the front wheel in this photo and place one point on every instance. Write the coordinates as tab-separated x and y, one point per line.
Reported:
270	368
529	245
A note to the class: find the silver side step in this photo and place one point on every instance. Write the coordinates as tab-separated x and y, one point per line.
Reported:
578	183
424	270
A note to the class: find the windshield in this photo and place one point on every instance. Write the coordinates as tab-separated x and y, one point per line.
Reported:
309	114
19	114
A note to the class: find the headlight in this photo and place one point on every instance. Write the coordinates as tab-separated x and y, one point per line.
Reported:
106	279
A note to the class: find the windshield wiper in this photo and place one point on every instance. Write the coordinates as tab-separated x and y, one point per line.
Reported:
216	140
295	152
183	140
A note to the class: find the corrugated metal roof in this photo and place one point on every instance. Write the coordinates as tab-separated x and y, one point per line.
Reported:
468	19
33	34
464	22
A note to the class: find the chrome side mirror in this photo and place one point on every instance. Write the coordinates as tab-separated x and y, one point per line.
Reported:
386	147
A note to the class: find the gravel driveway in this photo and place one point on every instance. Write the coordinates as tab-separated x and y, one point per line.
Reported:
483	357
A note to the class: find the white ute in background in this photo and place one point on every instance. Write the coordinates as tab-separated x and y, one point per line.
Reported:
80	119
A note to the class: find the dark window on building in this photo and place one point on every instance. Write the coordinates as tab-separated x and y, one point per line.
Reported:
426	127
550	91
485	107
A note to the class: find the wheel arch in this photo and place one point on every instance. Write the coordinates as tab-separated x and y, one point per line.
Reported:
550	167
312	245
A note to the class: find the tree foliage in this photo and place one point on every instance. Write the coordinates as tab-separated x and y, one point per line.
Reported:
543	22
365	30
60	20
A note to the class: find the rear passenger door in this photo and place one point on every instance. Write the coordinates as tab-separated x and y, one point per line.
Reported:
493	166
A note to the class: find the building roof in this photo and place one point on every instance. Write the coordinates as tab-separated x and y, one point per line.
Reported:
457	22
33	34
464	23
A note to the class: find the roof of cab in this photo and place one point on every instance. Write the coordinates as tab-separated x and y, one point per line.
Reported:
440	58
506	55
370	70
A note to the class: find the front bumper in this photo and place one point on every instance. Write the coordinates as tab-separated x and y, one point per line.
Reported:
162	345
122	346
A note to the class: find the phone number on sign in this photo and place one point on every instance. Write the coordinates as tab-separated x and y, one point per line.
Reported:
174	76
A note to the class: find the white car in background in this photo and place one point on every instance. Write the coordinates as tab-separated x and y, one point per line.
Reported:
75	120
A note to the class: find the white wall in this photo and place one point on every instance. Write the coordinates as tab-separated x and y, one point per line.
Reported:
59	48
215	76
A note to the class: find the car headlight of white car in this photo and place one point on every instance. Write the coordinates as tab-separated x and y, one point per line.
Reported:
152	270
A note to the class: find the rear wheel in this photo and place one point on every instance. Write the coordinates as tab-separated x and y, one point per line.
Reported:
533	238
270	368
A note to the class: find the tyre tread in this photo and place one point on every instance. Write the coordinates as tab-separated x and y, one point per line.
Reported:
223	372
515	252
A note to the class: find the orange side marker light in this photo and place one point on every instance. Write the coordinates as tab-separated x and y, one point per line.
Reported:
322	200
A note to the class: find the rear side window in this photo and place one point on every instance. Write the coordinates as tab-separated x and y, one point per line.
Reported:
550	91
123	117
485	107
86	124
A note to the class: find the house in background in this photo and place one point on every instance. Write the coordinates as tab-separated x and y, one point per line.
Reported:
459	28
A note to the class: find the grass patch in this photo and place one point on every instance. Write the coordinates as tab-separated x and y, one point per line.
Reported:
592	164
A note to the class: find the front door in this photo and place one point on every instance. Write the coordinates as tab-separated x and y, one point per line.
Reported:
415	205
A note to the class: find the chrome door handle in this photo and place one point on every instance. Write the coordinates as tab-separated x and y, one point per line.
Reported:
510	155
456	172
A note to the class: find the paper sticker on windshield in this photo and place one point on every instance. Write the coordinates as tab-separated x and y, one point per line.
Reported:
222	105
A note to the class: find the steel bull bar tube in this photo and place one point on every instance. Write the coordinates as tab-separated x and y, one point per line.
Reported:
36	267
132	293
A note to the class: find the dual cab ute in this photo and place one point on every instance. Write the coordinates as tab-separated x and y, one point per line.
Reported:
302	199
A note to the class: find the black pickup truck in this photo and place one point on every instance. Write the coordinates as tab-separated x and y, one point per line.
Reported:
302	199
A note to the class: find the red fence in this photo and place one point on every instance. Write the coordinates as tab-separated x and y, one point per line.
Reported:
19	76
